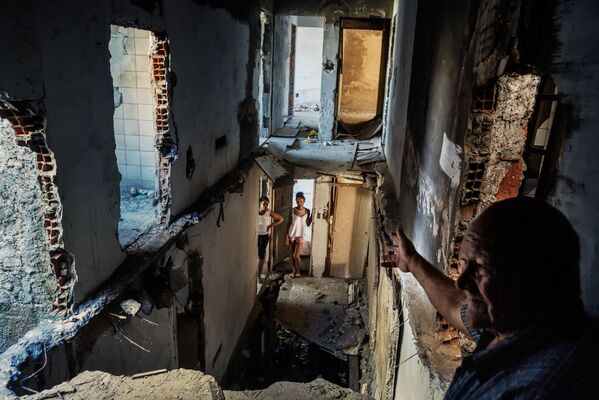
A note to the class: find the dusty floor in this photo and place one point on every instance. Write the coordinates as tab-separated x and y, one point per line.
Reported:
137	214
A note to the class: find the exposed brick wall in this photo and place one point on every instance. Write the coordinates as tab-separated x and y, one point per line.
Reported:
493	169
30	132
165	140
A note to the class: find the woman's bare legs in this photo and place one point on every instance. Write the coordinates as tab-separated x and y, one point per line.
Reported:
291	257
297	257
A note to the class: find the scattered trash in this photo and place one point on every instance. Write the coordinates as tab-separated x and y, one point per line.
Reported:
134	191
130	306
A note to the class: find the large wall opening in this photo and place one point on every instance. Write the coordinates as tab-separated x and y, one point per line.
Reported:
137	67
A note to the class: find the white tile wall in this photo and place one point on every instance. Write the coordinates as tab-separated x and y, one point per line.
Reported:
134	118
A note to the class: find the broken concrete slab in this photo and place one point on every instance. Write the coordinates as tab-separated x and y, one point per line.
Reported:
271	167
98	385
319	389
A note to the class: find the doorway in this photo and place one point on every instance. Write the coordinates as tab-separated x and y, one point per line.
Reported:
362	68
309	39
305	186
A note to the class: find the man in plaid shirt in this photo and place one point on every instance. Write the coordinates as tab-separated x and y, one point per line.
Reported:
518	297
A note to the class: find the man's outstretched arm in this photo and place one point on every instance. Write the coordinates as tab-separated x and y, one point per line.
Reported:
439	288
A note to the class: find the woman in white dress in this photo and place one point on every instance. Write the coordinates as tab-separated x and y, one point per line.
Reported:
299	218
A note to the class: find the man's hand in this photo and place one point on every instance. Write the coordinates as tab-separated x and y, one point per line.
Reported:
400	255
287	241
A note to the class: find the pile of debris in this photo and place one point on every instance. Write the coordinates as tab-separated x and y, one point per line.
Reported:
184	384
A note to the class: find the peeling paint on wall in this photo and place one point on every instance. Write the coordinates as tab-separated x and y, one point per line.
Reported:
429	204
450	160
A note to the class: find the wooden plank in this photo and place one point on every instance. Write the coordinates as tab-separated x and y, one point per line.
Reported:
293	123
287	131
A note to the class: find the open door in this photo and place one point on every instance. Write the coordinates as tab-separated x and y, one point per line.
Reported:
349	238
362	69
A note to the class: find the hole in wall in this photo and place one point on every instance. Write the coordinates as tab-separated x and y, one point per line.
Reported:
138	67
309	40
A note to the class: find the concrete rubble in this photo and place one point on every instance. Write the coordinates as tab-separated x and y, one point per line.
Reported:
318	310
97	385
184	384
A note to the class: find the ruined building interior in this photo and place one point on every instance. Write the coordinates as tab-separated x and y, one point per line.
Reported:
136	137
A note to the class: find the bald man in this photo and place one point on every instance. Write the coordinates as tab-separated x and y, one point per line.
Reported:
518	297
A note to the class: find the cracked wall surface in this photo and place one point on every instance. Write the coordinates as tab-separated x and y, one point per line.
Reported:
27	285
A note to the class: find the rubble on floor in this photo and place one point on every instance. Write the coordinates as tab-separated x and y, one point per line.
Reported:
184	384
97	385
319	389
318	310
137	214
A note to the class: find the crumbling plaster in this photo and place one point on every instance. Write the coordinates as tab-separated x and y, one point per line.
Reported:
503	144
27	284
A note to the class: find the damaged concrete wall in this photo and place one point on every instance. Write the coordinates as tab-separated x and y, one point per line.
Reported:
212	52
425	129
27	285
122	345
196	295
400	69
213	61
281	64
229	257
456	49
576	192
384	322
79	122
